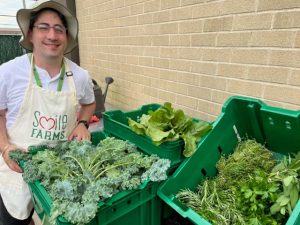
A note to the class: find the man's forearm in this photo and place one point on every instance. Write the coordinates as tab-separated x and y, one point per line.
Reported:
87	111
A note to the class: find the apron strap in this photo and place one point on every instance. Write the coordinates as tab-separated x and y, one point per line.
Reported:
38	79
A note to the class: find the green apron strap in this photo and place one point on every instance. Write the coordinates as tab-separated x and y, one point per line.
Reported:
39	82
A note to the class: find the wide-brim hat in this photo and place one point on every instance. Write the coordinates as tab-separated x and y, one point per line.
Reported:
23	19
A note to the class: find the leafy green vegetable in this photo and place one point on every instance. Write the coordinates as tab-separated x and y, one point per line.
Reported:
250	189
168	124
77	175
287	174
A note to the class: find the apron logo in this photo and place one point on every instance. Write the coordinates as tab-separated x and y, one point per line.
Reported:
49	128
46	123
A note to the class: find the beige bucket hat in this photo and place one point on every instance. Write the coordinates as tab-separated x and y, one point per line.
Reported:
23	19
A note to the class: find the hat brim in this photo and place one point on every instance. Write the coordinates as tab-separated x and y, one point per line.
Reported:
23	19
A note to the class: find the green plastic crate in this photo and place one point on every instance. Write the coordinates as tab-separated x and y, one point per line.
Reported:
241	117
116	124
135	207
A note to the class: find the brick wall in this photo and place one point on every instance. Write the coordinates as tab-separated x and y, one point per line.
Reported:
193	53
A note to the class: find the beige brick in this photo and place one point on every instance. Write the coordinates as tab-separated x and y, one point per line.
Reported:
204	67
167	4
287	20
161	63
145	81
218	24
181	65
152	72
283	39
166	96
190	53
208	107
137	50
180	40
170	75
285	58
169	28
268	74
152	29
217	54
188	78
151	6
169	53
164	16
237	6
191	2
206	10
220	96
253	22
152	51
200	92
132	60
297	40
233	39
282	93
195	26
186	101
145	18
265	5
124	11
182	13
241	87
203	40
150	91
232	70
213	82
295	78
124	31
132	2
128	21
146	61
162	40
136	9
290	106
250	56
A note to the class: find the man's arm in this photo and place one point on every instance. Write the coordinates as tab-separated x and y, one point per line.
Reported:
5	146
81	132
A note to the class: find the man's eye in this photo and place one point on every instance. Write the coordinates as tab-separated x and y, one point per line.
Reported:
44	28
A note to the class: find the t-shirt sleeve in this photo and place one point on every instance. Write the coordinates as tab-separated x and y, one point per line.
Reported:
88	96
3	90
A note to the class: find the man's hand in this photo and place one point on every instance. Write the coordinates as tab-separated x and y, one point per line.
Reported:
80	133
13	165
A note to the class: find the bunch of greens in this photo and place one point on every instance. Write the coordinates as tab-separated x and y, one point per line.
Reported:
168	124
249	188
78	175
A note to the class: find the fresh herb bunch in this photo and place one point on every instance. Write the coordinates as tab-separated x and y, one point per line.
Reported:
77	175
250	189
167	124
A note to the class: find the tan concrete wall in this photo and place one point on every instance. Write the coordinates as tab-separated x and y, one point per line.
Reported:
193	53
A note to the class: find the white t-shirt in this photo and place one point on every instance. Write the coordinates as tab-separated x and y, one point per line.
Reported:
14	79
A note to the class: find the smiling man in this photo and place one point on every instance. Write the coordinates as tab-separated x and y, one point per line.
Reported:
44	99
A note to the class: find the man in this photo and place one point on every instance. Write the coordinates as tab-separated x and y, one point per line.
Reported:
39	97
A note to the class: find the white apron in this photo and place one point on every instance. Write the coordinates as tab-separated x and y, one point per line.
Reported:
45	117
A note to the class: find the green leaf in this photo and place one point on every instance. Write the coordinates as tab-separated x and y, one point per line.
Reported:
282	211
283	200
275	208
136	127
294	195
287	181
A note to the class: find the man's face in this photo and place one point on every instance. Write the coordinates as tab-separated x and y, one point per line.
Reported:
48	36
